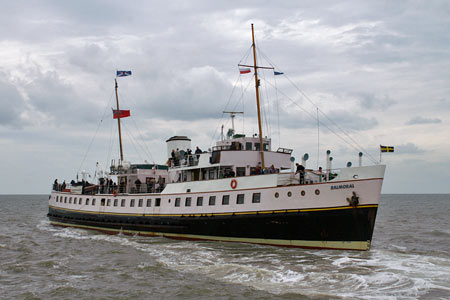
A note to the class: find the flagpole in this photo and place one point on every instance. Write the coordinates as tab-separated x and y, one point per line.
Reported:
261	146
380	154
118	122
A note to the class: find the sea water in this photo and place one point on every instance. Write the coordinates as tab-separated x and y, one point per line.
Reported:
409	259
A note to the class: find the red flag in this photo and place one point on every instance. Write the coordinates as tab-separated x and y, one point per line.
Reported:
121	113
244	70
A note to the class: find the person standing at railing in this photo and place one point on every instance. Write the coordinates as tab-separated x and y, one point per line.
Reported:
301	170
198	152
138	185
55	185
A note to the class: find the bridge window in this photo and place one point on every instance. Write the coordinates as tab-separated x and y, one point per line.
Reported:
240	171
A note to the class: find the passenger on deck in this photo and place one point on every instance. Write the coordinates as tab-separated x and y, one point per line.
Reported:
319	172
177	157
55	185
198	152
258	170
189	157
138	185
160	183
110	186
63	186
301	171
272	169
173	157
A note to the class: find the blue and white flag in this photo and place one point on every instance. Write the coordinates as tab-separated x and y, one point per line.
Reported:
277	73
123	73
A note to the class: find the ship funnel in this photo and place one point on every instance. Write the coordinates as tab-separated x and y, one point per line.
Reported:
178	142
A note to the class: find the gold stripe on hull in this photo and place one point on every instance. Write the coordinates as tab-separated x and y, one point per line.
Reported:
340	245
215	214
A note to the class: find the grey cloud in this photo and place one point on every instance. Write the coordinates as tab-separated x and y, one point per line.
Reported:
421	120
12	105
371	101
198	93
408	148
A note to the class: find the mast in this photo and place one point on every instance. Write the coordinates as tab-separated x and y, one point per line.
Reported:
118	122
261	146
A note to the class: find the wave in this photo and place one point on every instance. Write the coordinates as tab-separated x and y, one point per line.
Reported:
377	274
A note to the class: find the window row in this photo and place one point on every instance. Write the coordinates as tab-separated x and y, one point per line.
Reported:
240	198
109	202
256	198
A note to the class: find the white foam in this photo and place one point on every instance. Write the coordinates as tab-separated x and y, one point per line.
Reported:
378	274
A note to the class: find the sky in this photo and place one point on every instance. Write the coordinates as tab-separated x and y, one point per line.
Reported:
357	75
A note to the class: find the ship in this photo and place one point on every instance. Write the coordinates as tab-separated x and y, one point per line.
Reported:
241	190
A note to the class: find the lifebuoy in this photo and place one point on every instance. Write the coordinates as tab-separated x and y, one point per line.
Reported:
114	193
233	184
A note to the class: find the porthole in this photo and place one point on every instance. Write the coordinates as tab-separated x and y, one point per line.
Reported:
355	176
303	193
289	194
317	192
277	195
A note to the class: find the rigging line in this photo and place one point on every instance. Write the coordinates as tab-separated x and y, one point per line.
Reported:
142	139
264	108
237	103
242	95
110	144
133	141
349	137
243	104
326	116
269	106
136	144
95	134
314	118
226	105
318	139
246	54
278	110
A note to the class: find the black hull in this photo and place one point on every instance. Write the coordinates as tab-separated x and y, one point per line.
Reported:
335	228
